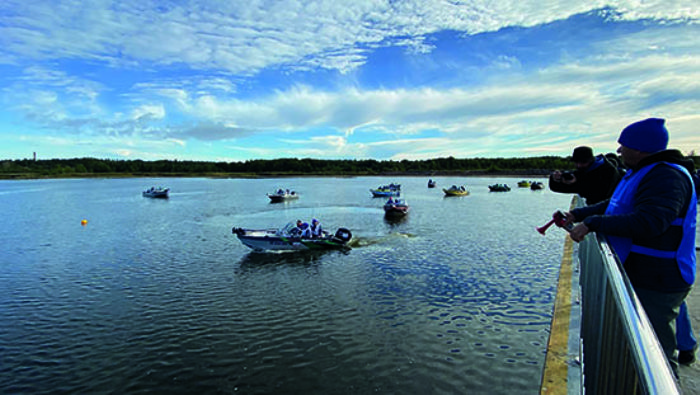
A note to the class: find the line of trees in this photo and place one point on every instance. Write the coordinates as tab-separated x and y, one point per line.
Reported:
27	168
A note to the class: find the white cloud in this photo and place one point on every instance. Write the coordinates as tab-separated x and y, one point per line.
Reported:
148	112
243	37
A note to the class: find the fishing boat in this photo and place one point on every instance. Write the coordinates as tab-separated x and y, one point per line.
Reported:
524	184
282	196
288	238
432	183
154	192
387	190
454	190
499	188
396	207
537	185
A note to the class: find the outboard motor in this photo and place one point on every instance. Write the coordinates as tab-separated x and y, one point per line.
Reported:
238	231
343	235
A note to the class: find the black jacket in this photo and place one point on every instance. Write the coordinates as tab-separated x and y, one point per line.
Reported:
594	184
662	196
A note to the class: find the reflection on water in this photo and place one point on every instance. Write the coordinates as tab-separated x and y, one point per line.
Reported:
159	296
394	220
254	259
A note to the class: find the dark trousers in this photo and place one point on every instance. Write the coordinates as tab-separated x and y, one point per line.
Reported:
662	309
684	331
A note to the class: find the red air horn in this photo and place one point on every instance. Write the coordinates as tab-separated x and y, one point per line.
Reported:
559	219
542	229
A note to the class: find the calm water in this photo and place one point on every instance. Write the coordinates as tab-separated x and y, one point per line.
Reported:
159	296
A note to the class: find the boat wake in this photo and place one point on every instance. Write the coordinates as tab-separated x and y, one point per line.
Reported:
359	241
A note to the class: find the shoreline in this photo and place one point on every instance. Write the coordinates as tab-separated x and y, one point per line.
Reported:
539	173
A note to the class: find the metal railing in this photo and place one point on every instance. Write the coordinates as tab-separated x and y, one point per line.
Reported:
620	352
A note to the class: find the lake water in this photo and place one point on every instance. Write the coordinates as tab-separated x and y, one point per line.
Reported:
159	296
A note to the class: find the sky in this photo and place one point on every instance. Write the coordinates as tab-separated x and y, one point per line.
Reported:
227	81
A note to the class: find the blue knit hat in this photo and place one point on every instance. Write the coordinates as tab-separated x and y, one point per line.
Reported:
649	135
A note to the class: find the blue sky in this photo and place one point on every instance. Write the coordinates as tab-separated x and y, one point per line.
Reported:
337	79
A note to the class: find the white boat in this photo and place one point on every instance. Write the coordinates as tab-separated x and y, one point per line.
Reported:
154	192
288	238
281	196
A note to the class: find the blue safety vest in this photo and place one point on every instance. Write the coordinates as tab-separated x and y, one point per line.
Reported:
622	202
596	163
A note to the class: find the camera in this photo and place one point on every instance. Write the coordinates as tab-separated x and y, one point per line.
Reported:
567	176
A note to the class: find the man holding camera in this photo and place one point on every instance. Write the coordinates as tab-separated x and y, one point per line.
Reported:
594	179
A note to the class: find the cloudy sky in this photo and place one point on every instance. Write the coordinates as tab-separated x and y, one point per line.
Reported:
332	79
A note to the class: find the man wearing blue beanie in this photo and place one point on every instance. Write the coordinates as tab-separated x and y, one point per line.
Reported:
650	224
649	136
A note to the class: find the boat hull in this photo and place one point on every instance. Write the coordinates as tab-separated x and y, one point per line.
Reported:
270	240
282	198
499	188
156	194
394	210
381	193
449	192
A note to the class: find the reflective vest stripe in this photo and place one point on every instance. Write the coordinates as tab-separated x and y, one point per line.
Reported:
654	252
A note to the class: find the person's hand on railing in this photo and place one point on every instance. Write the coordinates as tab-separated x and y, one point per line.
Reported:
579	232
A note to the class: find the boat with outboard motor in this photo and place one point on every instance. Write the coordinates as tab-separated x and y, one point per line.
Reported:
288	238
387	190
282	196
537	185
396	207
454	190
499	188
154	192
524	184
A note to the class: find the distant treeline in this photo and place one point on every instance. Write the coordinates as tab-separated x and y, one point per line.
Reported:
88	167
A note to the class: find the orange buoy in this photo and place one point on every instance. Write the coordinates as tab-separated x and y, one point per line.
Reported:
83	222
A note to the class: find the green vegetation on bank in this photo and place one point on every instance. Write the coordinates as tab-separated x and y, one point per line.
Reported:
92	167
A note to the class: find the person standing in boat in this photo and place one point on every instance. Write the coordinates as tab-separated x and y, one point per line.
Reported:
650	223
595	177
